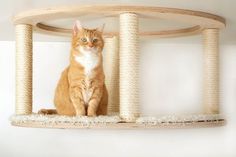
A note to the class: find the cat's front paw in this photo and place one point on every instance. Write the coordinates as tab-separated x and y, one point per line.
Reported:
80	113
92	113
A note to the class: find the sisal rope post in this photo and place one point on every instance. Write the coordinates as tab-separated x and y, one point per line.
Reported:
211	71
23	69
111	69
129	65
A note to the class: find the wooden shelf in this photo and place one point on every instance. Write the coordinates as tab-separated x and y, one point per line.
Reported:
109	122
38	18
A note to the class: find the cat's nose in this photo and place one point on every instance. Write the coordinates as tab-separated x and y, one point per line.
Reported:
90	45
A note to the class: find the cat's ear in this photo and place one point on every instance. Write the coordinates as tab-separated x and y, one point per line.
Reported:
101	28
77	27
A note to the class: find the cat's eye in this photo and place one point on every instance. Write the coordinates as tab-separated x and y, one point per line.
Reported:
95	40
83	39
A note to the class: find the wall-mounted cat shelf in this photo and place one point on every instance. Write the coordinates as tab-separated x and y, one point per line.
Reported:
122	77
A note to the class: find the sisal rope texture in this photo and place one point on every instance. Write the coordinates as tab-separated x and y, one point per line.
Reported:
211	71
111	69
129	65
23	69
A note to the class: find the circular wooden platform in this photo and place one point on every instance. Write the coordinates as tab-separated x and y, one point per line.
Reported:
199	20
114	122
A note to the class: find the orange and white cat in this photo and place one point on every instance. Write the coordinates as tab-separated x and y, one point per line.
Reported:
81	89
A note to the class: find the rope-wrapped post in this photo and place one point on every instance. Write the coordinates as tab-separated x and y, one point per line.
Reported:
111	69
129	65
23	69
211	71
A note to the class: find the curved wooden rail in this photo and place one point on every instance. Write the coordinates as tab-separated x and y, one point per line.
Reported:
199	20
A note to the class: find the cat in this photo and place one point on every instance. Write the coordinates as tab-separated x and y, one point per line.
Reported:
81	90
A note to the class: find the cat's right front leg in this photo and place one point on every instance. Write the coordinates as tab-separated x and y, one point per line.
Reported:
77	101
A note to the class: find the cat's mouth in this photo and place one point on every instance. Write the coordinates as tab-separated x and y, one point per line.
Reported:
92	49
89	48
85	49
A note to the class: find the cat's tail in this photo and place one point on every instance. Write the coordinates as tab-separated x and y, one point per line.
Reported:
47	111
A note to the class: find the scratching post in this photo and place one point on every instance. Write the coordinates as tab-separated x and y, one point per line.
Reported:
211	71
23	69
111	69
129	60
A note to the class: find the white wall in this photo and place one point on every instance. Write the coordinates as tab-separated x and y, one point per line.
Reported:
171	83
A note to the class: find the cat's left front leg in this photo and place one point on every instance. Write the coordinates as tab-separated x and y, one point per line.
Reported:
94	102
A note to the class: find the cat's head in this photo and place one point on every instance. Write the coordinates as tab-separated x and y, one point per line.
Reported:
87	40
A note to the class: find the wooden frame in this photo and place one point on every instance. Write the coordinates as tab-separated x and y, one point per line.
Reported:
205	23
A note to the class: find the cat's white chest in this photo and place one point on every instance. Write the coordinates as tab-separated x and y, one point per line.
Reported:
88	60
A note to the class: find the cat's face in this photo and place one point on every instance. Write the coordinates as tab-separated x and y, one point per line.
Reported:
87	40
